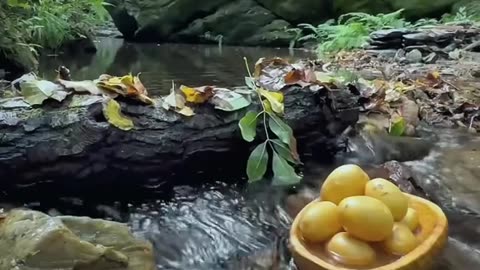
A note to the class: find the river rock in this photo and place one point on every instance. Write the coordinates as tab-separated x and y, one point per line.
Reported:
32	240
414	56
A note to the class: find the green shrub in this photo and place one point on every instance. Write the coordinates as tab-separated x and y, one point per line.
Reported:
32	24
351	31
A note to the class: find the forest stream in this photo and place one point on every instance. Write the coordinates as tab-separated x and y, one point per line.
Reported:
224	226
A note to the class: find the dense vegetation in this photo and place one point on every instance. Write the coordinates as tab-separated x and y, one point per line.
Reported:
32	24
351	31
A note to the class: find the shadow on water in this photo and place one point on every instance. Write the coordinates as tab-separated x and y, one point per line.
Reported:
192	65
220	226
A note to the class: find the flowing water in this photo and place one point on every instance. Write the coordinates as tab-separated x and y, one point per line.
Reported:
219	226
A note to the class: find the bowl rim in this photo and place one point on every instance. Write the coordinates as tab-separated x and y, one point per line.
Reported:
420	251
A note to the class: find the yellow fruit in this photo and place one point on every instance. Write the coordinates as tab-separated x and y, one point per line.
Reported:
366	218
390	195
411	219
401	241
345	181
320	222
348	250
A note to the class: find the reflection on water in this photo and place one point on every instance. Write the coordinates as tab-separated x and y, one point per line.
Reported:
193	65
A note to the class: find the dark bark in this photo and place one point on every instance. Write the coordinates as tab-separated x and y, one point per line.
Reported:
75	150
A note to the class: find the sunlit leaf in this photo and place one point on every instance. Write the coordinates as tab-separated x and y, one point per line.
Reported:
197	95
113	114
283	173
227	100
398	127
257	162
275	99
248	126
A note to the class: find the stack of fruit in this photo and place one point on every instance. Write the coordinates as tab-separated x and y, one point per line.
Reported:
357	218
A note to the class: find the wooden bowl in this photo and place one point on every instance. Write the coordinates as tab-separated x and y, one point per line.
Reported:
433	237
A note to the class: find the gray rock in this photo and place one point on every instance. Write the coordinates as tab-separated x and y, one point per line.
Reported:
414	56
32	240
399	55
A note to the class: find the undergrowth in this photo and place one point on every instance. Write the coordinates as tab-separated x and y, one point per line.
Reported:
32	24
352	30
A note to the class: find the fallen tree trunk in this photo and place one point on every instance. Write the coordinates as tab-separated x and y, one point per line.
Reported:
72	148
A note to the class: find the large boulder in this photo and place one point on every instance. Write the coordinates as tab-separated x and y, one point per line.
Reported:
245	22
300	11
231	22
32	240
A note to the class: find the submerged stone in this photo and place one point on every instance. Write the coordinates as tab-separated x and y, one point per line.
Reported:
32	240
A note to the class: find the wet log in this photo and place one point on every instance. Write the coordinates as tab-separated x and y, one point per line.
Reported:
71	148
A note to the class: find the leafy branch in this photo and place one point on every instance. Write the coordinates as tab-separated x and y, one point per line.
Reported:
282	150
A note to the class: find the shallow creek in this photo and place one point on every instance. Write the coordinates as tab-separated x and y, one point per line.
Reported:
220	226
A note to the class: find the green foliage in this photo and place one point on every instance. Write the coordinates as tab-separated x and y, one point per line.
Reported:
351	31
463	16
281	150
30	24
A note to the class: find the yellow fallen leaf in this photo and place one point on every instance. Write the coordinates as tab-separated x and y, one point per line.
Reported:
112	112
275	99
197	95
127	79
267	106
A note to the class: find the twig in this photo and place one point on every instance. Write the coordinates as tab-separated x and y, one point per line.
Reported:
449	83
472	46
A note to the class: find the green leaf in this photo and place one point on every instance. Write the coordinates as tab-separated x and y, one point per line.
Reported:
285	134
250	82
257	163
283	173
248	126
398	127
280	128
283	150
112	112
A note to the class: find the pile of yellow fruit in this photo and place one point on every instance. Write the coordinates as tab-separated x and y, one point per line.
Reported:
356	214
